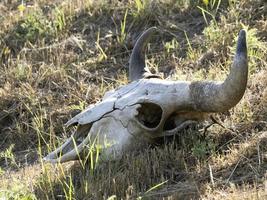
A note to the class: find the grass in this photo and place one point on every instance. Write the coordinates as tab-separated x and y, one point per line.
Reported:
58	57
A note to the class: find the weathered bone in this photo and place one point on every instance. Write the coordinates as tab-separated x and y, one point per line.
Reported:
149	107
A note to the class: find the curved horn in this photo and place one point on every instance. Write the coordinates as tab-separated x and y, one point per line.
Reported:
137	66
219	97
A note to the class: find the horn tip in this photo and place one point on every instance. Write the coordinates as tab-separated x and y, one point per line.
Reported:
241	43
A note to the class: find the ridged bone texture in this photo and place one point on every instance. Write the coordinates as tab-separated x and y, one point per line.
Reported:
148	107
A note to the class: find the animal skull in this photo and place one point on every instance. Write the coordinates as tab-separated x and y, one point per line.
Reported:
149	107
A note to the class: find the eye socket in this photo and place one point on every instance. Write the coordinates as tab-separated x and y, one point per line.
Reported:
170	123
149	114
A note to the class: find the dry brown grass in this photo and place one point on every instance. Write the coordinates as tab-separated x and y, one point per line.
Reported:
57	57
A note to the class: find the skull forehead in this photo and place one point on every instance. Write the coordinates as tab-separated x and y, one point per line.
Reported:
151	85
162	92
169	95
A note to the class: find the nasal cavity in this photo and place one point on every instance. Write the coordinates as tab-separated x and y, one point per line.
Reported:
149	114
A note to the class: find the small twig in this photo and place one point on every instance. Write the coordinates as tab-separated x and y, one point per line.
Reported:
252	168
211	176
232	173
259	155
215	121
206	128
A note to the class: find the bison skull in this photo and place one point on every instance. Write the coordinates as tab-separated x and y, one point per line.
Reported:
149	107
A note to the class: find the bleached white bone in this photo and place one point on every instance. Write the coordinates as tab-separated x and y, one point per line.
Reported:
149	107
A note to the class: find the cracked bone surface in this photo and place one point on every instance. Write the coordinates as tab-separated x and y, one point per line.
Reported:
149	107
